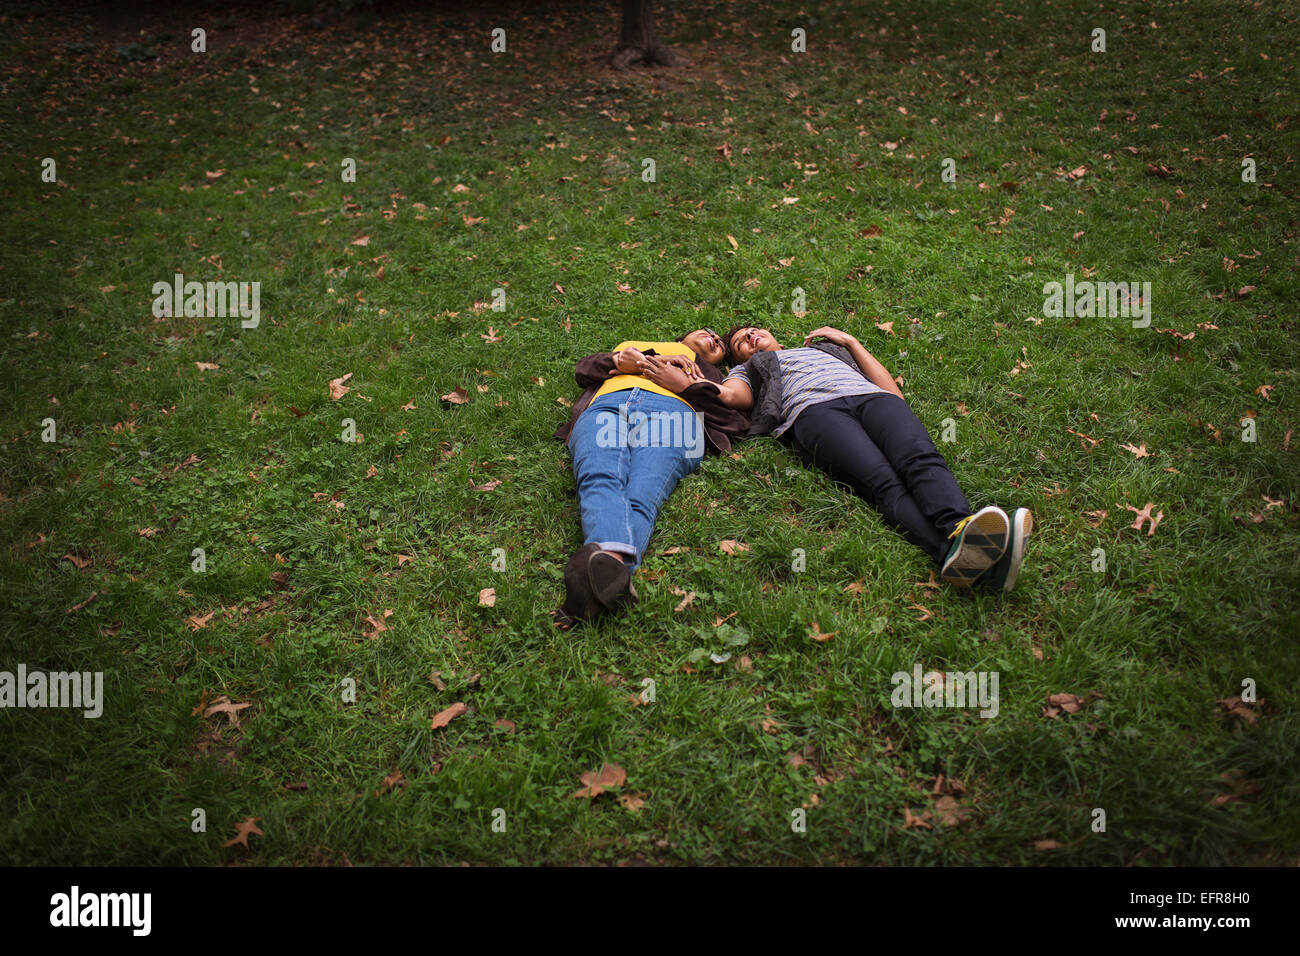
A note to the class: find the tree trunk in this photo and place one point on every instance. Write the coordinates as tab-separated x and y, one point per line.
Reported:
638	43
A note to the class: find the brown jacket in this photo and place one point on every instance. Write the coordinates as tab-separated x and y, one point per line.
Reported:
721	424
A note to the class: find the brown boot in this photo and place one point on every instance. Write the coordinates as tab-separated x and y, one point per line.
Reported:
611	580
580	603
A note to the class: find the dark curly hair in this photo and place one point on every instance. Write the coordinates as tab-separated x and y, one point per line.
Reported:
726	341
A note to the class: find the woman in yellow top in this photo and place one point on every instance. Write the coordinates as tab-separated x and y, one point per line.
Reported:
649	413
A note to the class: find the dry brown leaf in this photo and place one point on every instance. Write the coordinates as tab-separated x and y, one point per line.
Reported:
1145	515
911	820
457	396
444	717
487	597
243	831
1063	703
337	388
732	546
950	812
610	775
815	632
394	779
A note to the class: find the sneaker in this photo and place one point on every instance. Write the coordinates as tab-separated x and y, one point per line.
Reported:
981	541
1002	576
611	580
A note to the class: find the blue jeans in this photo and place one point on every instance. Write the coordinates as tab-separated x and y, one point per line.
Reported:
630	449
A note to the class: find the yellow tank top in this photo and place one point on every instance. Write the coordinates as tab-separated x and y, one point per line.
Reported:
619	383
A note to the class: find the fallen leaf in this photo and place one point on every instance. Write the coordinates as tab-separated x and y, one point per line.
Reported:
1145	515
394	779
732	546
950	812
1067	703
457	396
337	388
379	626
686	598
1140	451
816	633
207	366
487	597
610	775
444	717
910	820
486	486
224	705
506	725
244	830
199	623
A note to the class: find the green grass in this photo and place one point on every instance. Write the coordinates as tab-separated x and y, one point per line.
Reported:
1177	620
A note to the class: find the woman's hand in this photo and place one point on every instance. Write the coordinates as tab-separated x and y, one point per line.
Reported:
686	365
668	374
629	361
834	336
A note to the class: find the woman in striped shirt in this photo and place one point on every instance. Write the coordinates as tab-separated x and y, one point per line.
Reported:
843	411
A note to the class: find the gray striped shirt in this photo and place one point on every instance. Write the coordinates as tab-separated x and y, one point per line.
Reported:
809	377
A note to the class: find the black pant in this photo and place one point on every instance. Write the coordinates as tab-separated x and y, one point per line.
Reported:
878	447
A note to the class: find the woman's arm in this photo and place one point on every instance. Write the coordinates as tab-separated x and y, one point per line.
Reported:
594	369
871	367
737	394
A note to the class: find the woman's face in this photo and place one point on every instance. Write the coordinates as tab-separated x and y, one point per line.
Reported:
745	342
706	344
